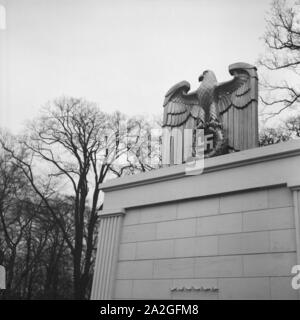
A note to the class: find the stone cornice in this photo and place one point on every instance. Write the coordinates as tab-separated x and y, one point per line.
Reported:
238	159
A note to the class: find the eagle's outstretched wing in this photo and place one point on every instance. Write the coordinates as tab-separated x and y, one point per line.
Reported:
236	104
238	92
179	105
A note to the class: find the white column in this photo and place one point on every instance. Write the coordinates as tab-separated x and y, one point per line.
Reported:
296	200
296	203
107	254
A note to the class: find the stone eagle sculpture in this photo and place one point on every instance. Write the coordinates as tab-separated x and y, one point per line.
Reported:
232	103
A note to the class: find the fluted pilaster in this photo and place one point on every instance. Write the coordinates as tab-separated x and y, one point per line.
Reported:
107	254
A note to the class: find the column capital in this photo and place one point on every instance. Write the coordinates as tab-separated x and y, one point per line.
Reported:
111	212
295	188
294	184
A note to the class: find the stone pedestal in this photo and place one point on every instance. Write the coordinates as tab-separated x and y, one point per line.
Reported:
231	232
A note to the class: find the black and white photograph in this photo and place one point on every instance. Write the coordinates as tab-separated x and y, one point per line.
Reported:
149	153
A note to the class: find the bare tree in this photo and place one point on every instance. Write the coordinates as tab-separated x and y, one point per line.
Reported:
282	40
76	146
16	212
269	136
292	126
287	130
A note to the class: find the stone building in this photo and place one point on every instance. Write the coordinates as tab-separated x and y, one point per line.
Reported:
230	233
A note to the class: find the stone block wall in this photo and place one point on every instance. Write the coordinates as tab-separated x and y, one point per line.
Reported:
242	244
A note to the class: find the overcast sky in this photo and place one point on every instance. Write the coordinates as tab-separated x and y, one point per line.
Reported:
122	54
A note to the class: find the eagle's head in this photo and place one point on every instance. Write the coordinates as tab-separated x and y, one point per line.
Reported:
208	75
